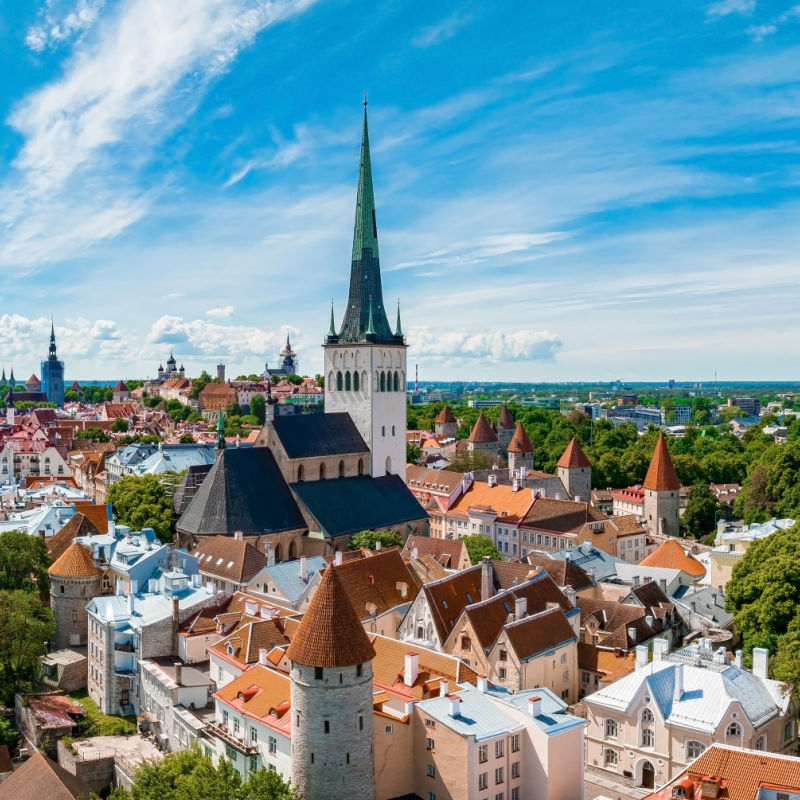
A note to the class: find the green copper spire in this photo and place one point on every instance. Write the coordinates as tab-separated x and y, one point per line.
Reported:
332	329
365	269
398	330
220	431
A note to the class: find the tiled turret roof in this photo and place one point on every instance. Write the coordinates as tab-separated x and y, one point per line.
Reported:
661	475
482	431
74	562
520	443
573	457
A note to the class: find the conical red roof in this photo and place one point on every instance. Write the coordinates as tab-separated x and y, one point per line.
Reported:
482	432
520	443
445	415
330	633
121	387
661	475
74	562
573	457
506	420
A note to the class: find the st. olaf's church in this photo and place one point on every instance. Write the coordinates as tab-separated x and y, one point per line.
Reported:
313	480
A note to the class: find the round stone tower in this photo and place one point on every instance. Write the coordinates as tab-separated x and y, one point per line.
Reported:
74	580
331	699
505	428
520	451
445	423
662	493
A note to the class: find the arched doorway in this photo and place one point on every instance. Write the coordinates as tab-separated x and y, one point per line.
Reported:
277	553
648	776
292	551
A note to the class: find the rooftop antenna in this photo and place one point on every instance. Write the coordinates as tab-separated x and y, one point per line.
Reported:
416	378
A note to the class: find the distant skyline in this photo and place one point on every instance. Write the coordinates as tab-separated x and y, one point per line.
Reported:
565	192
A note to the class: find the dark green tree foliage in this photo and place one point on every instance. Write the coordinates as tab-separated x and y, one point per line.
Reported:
699	516
190	775
141	502
95	434
119	425
23	563
368	539
413	453
479	546
198	384
258	408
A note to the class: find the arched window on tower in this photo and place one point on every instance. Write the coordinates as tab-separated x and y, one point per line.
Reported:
388	465
331	384
397	381
339	381
347	385
341	469
360	466
322	472
355	381
383	382
301	473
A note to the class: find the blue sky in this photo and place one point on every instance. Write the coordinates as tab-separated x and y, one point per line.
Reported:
565	191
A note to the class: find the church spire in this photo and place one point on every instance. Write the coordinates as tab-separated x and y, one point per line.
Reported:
332	335
220	431
365	270
399	330
52	352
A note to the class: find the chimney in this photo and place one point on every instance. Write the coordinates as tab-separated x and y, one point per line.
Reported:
176	618
662	584
738	659
455	705
760	662
520	608
515	485
487	579
577	498
130	603
238	535
492	480
270	553
719	655
641	656
337	558
483	684
635	581
378	545
303	568
415	553
411	670
677	691
41	534
570	593
262	656
444	688
632	634
535	706
178	672
649	620
660	649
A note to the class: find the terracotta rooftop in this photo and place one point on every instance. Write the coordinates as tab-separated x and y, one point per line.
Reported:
502	499
561	516
564	573
661	475
506	421
520	443
96	513
445	415
482	431
448	552
573	457
261	693
537	632
78	525
228	558
670	554
330	633
121	387
75	562
39	777
244	642
449	597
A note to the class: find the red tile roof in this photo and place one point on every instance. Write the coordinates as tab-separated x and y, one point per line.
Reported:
445	415
661	475
74	562
520	443
506	421
670	554
573	457
482	432
39	777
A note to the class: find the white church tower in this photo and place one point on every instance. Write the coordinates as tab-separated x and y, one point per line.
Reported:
365	362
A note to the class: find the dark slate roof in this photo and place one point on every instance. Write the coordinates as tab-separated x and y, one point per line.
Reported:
348	505
312	435
244	491
187	488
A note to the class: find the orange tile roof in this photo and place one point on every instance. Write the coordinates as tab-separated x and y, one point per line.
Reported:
96	513
670	554
520	443
661	475
573	457
330	633
482	432
448	552
259	692
502	499
75	562
445	415
506	421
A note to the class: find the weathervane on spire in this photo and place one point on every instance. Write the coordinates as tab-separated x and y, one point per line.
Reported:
365	98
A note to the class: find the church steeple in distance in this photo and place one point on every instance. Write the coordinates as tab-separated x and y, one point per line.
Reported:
52	352
366	293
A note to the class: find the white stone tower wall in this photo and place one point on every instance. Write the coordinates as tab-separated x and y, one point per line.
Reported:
69	608
447	429
517	460
577	481
339	764
661	512
380	416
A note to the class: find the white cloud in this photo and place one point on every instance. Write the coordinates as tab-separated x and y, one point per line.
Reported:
760	32
520	345
441	31
141	75
54	25
723	8
223	312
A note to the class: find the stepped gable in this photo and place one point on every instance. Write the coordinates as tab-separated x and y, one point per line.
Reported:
520	443
75	562
445	415
573	457
661	475
482	432
506	421
330	633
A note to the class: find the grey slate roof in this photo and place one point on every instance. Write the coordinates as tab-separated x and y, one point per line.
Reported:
348	505
191	482
312	435
244	491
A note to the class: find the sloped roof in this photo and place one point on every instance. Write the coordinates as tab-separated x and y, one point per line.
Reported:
506	421
347	505
520	443
312	435
502	499
539	632
75	562
244	491
670	554
661	475
450	596
96	513
561	516
77	525
330	633
251	636
257	692
231	559
448	552
482	431
121	387
564	573
39	777
445	415
573	457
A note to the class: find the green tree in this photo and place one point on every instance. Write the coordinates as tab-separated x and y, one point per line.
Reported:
233	410
413	453
198	384
8	733
119	425
186	438
96	434
368	539
479	546
141	502
699	517
258	408
470	460
295	379
23	563
727	413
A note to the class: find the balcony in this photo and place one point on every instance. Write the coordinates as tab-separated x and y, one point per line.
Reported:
125	647
220	730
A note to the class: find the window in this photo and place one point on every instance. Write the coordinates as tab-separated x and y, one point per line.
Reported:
230	752
515	793
734	730
498	775
515	743
515	769
359	670
610	758
273	744
301	473
611	729
431	771
341	469
431	796
483	780
361	723
761	743
347	385
499	748
483	753
499	796
502	673
388	730
253	766
318	673
788	731
503	655
430	723
355	381
254	735
339	382
429	744
321	472
694	750
647	737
